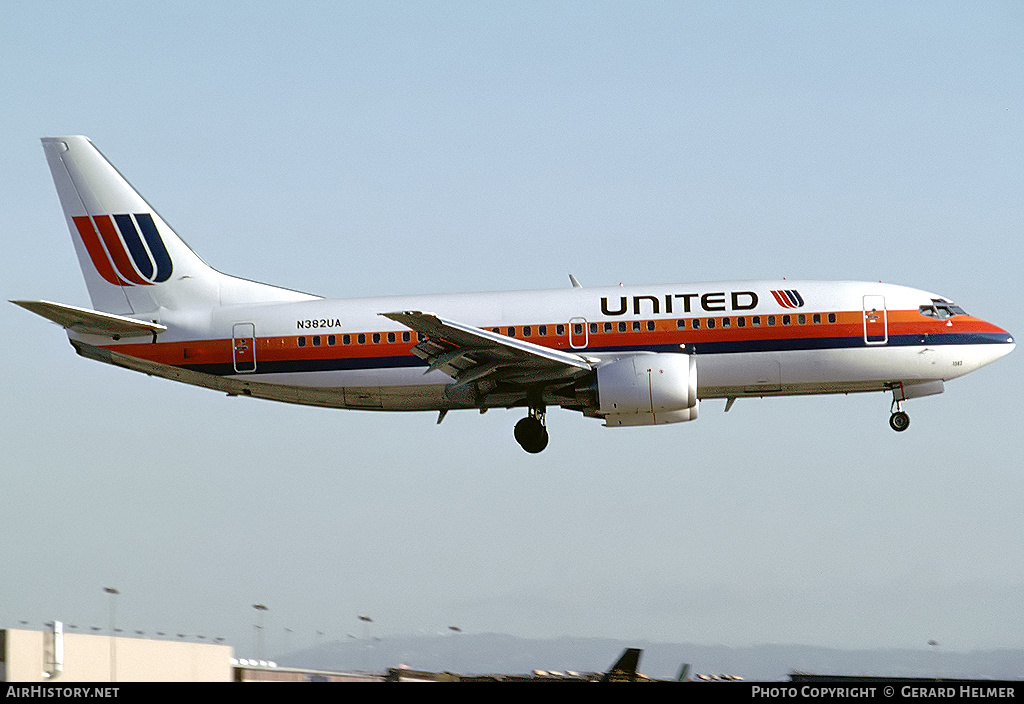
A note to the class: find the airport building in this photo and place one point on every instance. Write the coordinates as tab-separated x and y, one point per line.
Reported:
55	656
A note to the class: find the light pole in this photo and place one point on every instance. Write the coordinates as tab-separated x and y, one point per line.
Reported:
366	641
113	645
455	647
260	608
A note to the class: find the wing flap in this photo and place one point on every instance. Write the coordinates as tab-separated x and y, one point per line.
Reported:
469	354
91	322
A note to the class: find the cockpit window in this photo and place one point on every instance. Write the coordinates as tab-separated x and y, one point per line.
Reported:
941	309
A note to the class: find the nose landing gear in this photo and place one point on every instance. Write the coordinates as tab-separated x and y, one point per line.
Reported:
531	433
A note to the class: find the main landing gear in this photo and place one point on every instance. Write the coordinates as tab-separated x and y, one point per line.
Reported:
531	433
899	420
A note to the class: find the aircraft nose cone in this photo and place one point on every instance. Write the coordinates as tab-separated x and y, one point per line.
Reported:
1005	338
1010	343
997	343
1006	347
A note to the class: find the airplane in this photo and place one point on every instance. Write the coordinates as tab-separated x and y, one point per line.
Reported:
628	355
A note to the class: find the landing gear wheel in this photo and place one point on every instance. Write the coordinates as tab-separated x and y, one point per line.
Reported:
531	434
899	421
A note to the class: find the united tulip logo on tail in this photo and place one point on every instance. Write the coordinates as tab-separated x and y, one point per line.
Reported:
136	257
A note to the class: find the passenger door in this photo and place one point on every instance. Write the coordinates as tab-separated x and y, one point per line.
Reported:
876	320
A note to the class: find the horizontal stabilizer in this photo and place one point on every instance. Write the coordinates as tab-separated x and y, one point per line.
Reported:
91	322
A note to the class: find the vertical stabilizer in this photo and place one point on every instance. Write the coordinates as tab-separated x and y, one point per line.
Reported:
133	262
625	668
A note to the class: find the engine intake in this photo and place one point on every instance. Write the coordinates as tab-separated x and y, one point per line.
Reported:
648	389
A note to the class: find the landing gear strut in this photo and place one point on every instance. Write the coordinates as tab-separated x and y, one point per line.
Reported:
530	432
899	420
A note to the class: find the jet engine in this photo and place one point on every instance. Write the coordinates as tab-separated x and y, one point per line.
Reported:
647	389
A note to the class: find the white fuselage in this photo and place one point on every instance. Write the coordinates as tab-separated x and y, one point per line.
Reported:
831	343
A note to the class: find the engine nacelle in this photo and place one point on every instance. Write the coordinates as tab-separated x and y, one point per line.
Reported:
648	389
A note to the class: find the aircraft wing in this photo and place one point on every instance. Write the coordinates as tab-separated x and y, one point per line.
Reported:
469	354
91	322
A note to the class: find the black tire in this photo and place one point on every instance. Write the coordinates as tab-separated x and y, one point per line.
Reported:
531	435
899	421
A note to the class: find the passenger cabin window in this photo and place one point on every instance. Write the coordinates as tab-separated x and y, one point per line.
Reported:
527	331
391	337
607	327
559	329
816	318
542	329
771	320
711	323
831	317
302	342
741	322
636	326
316	340
725	322
650	326
756	321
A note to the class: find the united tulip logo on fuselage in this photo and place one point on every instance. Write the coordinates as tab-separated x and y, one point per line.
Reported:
789	298
136	257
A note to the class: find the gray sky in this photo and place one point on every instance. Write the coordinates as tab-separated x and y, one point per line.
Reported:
353	149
